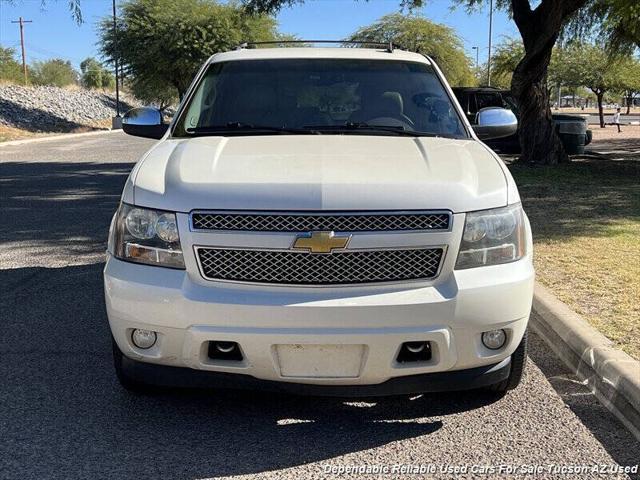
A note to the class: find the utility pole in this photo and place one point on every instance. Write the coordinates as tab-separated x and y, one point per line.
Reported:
21	21
559	104
490	31
117	121
477	57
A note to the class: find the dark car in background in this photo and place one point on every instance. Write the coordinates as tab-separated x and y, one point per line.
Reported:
571	128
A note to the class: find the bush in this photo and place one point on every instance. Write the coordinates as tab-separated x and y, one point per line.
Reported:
95	74
55	72
10	68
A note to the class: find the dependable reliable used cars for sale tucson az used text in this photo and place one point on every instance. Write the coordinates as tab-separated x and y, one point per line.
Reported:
320	220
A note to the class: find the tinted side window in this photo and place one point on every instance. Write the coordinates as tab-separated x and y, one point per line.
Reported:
484	100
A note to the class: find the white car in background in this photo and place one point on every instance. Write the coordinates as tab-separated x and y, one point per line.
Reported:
324	221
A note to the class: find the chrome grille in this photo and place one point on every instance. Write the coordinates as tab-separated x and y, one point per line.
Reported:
301	222
303	268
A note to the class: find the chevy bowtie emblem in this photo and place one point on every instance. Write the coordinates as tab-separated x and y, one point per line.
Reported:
321	242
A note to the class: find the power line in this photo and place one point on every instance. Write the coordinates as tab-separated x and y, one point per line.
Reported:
21	21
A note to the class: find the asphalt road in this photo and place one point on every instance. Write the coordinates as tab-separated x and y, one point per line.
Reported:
63	414
608	118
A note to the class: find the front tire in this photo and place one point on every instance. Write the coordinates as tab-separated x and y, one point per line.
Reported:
518	362
128	383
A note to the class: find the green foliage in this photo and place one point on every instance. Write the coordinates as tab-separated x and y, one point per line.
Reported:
629	75
593	67
504	61
91	73
274	6
153	91
421	35
55	72
10	68
95	75
578	65
164	42
621	23
613	23
108	80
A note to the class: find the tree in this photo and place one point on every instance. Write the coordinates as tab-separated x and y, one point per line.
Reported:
630	80
55	72
614	22
163	42
93	74
421	35
504	61
539	28
593	67
153	91
510	52
10	68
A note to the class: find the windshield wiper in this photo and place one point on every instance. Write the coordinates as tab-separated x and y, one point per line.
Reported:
238	127
351	126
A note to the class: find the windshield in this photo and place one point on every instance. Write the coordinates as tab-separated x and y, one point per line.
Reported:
320	96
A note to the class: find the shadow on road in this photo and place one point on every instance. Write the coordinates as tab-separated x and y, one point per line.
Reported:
57	205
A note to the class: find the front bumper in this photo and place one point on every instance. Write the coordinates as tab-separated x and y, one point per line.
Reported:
165	376
374	321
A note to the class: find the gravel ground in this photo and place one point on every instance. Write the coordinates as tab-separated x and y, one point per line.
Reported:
55	109
63	415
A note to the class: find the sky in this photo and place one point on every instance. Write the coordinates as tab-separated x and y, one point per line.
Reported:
54	34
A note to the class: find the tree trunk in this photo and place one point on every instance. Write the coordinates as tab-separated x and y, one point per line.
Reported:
538	139
629	100
539	28
600	96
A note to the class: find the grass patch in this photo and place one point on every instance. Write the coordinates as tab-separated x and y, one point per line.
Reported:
10	133
585	218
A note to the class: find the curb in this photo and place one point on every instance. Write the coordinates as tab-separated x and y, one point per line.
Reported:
612	375
55	137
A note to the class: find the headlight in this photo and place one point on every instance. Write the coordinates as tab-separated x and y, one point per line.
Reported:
147	236
492	237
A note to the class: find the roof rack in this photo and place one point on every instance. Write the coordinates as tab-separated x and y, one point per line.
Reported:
388	46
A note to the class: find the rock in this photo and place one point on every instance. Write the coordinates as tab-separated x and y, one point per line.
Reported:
55	109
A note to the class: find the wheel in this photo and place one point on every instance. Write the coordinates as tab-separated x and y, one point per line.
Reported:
518	361
128	383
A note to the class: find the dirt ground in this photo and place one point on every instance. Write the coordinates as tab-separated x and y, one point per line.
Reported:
594	110
610	132
10	133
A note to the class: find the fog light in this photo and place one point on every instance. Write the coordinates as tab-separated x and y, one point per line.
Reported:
494	339
143	338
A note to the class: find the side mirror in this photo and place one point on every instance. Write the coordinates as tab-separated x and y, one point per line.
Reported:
144	122
495	122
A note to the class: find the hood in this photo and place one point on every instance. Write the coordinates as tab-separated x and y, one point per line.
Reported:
319	172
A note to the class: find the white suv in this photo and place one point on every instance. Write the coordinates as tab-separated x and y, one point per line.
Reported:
320	220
